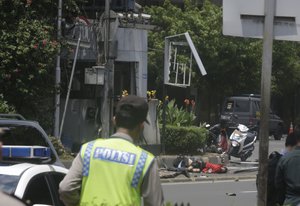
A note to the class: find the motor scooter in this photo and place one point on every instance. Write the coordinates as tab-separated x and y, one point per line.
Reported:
242	142
219	133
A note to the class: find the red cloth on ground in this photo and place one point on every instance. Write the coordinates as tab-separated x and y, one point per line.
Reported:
212	168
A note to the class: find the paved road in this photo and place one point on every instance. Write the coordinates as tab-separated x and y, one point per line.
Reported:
211	193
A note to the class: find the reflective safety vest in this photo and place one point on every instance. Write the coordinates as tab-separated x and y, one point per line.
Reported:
113	170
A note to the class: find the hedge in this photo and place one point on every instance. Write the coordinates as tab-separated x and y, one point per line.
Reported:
184	140
60	149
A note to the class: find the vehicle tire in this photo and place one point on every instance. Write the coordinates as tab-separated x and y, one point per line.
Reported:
244	158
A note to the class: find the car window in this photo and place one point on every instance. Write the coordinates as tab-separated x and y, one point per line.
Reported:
242	106
228	106
56	178
38	191
21	135
257	105
8	183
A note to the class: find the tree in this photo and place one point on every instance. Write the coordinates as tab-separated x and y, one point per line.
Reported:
286	79
4	107
27	52
233	64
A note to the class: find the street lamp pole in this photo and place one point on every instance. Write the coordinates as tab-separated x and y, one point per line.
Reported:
57	73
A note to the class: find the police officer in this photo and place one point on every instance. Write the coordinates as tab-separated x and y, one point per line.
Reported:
114	171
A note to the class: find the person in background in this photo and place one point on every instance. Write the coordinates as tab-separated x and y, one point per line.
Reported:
206	167
290	143
114	171
273	195
196	166
287	178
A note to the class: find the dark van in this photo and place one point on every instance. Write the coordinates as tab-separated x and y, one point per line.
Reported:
247	110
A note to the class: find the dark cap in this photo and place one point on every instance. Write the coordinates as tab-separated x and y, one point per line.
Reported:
133	108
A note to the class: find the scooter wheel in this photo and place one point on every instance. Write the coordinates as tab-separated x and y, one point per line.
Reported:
245	156
243	159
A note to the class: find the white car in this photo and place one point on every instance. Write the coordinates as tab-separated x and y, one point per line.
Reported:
35	184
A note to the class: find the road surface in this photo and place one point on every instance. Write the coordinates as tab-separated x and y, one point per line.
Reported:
223	193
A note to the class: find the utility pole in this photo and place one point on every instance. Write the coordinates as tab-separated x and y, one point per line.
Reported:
107	102
164	121
265	102
57	74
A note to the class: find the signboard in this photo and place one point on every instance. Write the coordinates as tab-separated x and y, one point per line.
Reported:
179	50
245	18
94	75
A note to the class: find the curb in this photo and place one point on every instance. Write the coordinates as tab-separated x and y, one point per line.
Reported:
213	158
167	160
206	178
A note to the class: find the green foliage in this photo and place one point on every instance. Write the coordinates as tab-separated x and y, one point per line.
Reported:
286	68
180	137
184	140
4	107
28	51
60	149
232	64
176	116
27	55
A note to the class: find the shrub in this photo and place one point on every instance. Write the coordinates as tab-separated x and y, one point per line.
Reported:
176	116
184	140
60	149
